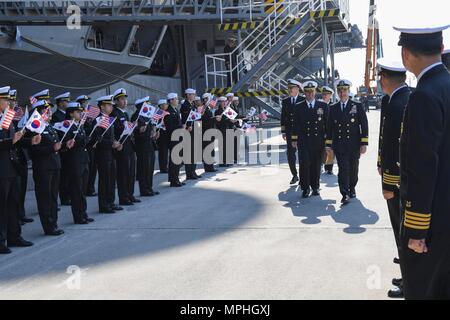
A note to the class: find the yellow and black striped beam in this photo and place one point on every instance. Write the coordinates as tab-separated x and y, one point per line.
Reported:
290	21
325	13
272	5
247	94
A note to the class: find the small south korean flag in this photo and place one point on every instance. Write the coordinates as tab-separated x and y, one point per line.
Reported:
36	123
230	113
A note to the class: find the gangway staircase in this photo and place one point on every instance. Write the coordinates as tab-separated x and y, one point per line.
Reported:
256	64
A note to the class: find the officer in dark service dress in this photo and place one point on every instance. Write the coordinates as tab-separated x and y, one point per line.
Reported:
173	122
10	230
310	130
104	143
424	169
125	157
392	76
289	108
208	123
163	141
348	138
78	164
59	115
46	173
145	139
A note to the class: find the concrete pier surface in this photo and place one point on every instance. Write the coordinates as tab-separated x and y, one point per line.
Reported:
242	233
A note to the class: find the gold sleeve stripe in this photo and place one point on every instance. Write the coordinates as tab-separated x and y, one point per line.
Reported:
390	175
416	227
329	142
390	183
418	215
295	137
365	140
418	219
390	178
387	181
417	223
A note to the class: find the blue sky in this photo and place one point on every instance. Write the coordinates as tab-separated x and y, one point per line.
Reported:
390	13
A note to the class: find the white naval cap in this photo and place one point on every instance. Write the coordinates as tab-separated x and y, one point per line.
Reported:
327	89
222	99
235	98
206	95
82	97
343	83
429	37
44	94
390	65
13	94
41	104
294	83
4	92
106	99
310	85
197	98
172	95
230	95
446	51
63	97
190	91
121	92
142	100
162	101
74	106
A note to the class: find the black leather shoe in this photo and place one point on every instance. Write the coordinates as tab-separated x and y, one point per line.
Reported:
176	184
91	194
107	211
345	200
27	220
397	282
352	194
316	193
306	194
126	203
135	200
81	222
191	178
4	249
116	208
19	243
214	170
396	260
150	194
56	232
198	176
90	220
396	293
294	180
222	165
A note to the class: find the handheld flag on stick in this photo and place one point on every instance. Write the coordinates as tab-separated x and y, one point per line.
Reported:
230	113
159	115
264	115
92	112
24	119
36	123
193	116
64	126
147	111
19	113
33	100
128	129
251	113
7	118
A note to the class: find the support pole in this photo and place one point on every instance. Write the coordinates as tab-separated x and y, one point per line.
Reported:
325	50
333	66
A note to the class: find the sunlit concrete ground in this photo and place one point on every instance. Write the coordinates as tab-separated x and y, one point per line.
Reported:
242	233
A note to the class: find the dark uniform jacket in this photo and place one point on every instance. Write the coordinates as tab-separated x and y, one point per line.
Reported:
102	142
143	140
78	156
288	114
310	125
392	111
172	122
208	120
58	116
425	156
347	130
119	125
8	154
43	155
185	109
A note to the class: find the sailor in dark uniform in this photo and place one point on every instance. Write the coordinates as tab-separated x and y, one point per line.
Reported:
59	115
424	169
348	138
125	157
172	123
223	125
10	230
22	164
392	78
208	123
88	126
446	58
145	136
104	144
78	164
163	142
46	172
327	96
187	106
289	108
309	138
237	124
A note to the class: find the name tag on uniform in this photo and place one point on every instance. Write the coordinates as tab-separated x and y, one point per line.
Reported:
320	111
354	110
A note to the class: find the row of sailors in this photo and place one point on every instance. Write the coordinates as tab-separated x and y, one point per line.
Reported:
65	165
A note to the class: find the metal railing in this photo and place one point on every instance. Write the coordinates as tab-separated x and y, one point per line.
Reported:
231	66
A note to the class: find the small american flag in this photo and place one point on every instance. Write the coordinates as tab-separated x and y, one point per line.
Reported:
83	119
212	102
19	113
7	118
106	122
33	100
159	114
45	115
92	112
